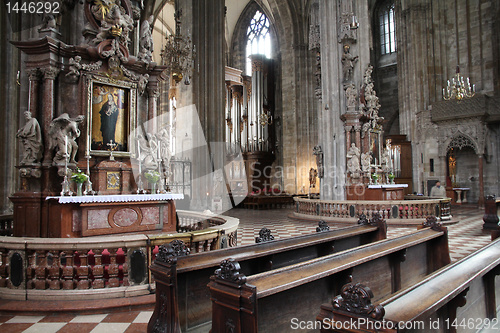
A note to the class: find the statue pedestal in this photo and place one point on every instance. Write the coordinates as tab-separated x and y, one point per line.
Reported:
77	216
376	192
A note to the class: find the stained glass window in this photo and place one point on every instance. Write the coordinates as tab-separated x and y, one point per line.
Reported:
387	28
258	38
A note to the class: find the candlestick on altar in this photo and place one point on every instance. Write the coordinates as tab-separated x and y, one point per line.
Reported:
65	189
88	183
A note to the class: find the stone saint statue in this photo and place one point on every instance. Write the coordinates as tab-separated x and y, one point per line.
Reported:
353	156
348	62
63	132
318	152
146	40
31	137
365	162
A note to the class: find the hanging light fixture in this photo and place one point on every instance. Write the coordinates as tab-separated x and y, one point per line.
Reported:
178	54
459	88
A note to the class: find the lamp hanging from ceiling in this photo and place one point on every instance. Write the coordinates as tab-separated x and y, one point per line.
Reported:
459	88
178	54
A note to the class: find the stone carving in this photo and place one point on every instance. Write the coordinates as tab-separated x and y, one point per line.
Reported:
143	81
351	95
370	101
353	159
75	66
357	299
385	162
63	132
146	153
169	253
146	41
113	19
264	236
230	271
348	62
365	162
318	152
313	174
31	137
322	226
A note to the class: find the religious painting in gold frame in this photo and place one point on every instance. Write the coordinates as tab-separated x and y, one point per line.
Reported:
110	115
375	147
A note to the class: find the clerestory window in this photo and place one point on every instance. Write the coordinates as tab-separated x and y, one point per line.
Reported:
387	26
258	38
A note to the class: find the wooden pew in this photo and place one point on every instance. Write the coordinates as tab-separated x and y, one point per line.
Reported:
279	300
182	298
461	296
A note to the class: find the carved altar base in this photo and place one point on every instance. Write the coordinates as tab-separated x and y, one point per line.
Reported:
376	192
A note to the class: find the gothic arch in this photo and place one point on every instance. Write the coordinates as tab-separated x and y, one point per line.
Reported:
459	141
237	52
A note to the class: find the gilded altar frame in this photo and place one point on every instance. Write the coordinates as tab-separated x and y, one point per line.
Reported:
109	126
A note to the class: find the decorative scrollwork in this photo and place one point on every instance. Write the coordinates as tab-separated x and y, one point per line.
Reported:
230	271
363	220
322	226
169	253
432	222
264	236
357	299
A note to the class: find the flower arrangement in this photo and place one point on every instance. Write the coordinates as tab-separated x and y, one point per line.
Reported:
152	176
375	178
79	177
391	177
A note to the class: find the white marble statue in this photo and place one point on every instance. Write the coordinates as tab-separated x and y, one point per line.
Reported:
63	132
365	162
353	159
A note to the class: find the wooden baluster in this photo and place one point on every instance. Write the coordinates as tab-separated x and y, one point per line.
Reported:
98	270
41	270
125	267
54	271
68	271
82	271
113	269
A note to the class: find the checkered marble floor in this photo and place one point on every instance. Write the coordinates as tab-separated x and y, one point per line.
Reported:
464	237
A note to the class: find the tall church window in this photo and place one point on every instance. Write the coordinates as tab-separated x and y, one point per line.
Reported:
258	38
387	28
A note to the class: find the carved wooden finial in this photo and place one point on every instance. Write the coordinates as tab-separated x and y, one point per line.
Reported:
363	220
230	271
168	253
264	236
322	226
432	222
357	299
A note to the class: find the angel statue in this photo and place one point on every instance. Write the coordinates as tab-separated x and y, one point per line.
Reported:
63	132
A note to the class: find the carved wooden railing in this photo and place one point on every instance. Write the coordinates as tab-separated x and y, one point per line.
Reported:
403	211
116	266
6	225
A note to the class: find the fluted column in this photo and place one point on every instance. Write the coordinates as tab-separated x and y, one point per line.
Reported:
49	75
208	91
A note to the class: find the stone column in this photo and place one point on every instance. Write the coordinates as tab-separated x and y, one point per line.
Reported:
34	79
49	75
208	90
480	201
153	94
256	100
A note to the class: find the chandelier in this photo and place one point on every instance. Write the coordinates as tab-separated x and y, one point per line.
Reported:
458	88
178	54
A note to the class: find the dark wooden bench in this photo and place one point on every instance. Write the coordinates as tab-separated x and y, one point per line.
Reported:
182	297
460	296
280	300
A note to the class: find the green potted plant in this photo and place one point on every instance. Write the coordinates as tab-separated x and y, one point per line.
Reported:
375	178
79	178
153	177
391	177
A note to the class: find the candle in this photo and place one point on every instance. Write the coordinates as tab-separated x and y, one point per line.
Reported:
66	145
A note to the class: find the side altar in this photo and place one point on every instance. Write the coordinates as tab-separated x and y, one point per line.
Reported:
372	167
95	150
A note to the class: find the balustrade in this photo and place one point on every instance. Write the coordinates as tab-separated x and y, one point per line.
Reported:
350	210
96	263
